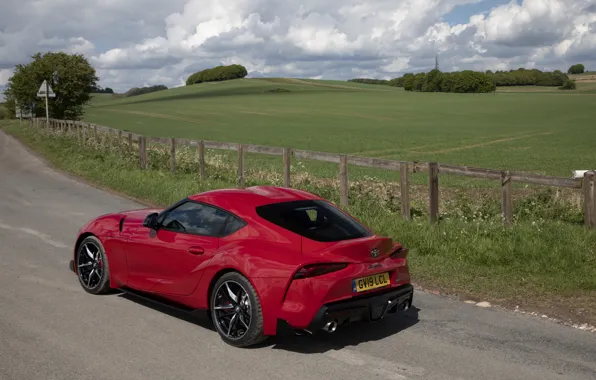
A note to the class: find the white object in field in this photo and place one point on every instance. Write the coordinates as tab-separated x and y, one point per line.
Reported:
580	173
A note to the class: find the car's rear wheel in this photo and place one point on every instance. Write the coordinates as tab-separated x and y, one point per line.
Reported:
236	311
91	264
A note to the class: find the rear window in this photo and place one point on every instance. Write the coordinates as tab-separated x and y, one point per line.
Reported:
314	219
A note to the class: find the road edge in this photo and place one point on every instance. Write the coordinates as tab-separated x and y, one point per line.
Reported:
75	177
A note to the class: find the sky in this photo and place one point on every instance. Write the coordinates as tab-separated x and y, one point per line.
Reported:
134	43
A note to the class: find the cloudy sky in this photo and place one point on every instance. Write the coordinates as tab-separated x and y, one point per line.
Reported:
146	42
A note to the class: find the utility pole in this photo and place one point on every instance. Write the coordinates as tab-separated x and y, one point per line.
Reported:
436	61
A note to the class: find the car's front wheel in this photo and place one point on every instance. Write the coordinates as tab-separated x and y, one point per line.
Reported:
236	311
92	266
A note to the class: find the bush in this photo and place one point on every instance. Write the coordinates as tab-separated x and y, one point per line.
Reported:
396	82
461	82
523	77
145	90
568	85
4	113
216	74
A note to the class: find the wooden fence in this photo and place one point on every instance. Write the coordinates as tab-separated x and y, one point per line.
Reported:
434	169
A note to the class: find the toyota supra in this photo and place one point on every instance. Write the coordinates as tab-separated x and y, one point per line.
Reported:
250	258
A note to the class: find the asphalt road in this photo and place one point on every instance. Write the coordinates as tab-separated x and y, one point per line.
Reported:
51	329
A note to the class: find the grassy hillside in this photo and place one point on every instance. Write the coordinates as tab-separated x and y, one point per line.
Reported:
549	132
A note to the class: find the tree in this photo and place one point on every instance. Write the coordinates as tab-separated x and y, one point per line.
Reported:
576	69
145	90
218	73
73	84
568	85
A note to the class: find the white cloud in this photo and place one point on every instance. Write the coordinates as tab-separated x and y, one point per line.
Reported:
139	42
4	75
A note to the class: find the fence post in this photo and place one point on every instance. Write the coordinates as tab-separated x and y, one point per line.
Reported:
120	147
287	166
404	184
433	191
343	180
202	159
506	201
142	151
589	188
129	142
95	134
145	153
241	164
173	154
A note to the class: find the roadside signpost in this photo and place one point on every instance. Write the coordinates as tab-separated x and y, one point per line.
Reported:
45	91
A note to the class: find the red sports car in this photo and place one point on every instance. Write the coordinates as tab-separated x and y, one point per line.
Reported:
251	258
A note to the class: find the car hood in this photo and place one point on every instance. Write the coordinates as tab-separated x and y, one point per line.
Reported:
139	214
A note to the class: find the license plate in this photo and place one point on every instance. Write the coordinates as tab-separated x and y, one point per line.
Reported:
370	282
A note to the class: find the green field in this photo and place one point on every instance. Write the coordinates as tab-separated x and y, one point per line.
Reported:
548	132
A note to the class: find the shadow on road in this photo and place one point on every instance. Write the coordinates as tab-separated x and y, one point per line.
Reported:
199	319
350	335
318	342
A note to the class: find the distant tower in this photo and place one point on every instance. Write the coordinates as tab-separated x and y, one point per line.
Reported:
436	61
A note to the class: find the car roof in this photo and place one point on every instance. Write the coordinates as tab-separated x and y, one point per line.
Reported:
244	201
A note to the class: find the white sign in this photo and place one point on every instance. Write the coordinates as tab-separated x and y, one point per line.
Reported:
43	88
26	114
23	113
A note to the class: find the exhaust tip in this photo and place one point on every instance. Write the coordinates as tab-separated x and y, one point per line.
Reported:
330	326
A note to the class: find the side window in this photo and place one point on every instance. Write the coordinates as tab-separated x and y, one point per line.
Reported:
233	225
195	218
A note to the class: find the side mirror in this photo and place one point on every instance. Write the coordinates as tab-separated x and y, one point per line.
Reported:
151	221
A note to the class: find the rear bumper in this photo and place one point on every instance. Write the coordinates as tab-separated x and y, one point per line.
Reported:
368	308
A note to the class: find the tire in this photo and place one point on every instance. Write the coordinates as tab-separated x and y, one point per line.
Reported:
88	274
219	296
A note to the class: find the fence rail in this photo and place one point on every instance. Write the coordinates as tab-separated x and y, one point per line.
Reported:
433	169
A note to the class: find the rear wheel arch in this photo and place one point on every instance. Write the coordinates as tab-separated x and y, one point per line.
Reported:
217	276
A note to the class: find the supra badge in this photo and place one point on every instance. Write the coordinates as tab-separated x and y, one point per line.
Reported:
374	252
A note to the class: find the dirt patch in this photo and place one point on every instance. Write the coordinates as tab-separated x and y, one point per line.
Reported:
570	310
481	144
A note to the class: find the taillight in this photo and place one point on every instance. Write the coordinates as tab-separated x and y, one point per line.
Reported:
400	253
318	269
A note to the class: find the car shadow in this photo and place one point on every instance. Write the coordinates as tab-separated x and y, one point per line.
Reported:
345	336
286	339
200	318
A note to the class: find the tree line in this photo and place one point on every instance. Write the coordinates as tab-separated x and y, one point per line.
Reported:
473	81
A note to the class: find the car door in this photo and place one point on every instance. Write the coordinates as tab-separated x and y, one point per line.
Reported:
170	259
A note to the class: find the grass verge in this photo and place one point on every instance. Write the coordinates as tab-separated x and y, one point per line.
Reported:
544	262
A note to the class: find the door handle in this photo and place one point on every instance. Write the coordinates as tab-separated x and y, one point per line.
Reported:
196	250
